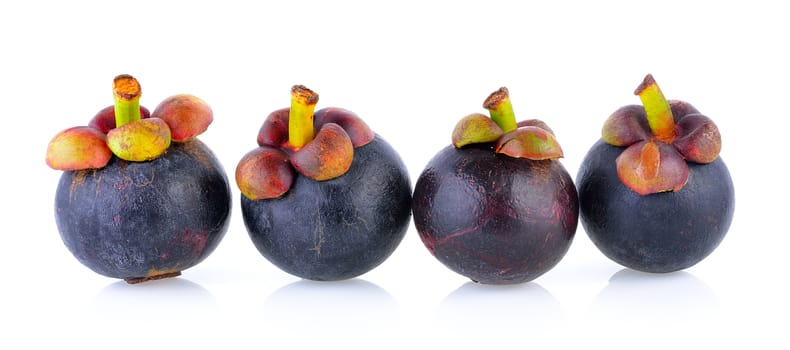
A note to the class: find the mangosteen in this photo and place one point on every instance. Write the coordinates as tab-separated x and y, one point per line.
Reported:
323	206
655	195
497	206
140	199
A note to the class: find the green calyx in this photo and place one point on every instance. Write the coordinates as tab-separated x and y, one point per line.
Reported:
531	139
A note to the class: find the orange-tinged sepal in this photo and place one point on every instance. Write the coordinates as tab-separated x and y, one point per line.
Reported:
141	140
529	142
186	115
358	131
327	156
475	128
78	148
651	167
264	173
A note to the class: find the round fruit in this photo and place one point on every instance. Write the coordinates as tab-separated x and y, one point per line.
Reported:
655	195
145	220
497	207
494	218
340	228
324	206
131	204
661	232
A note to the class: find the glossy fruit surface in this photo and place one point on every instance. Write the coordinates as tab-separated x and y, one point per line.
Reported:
655	195
661	232
340	228
145	220
494	218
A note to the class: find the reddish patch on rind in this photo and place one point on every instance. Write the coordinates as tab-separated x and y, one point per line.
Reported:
186	115
652	167
194	241
358	131
78	148
264	173
327	156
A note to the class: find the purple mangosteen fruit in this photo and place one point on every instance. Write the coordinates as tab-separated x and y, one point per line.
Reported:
497	206
134	202
327	205
655	196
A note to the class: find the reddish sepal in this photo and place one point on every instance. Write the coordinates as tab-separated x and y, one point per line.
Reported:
327	156
356	128
78	148
264	173
651	167
535	122
186	115
698	138
274	131
104	120
680	109
626	126
529	142
650	164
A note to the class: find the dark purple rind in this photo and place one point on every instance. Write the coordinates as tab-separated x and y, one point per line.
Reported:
339	228
129	219
493	218
661	232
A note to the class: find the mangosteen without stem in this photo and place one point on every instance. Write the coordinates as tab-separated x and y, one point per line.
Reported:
655	195
497	206
131	204
324	206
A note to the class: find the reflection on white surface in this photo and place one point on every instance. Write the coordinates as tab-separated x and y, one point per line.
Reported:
505	313
168	311
316	311
659	308
656	298
171	298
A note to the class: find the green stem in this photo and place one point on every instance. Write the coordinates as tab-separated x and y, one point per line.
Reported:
127	93
300	119
659	114
498	105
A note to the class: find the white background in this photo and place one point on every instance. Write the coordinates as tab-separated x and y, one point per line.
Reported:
411	69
